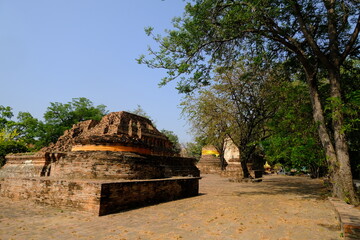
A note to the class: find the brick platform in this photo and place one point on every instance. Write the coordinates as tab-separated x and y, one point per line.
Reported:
349	218
102	167
98	196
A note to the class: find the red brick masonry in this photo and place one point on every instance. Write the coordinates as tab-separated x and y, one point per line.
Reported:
349	218
98	196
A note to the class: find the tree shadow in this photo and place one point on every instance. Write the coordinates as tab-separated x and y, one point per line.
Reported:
298	186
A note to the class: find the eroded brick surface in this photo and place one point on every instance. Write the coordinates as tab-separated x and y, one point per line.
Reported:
92	178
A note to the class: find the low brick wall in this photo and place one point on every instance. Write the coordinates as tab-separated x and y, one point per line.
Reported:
105	165
121	165
209	164
233	171
99	197
27	165
209	168
81	195
119	196
349	218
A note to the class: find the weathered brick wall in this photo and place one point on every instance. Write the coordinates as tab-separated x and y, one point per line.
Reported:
98	197
209	164
80	195
26	165
119	196
177	166
233	171
105	165
121	165
349	218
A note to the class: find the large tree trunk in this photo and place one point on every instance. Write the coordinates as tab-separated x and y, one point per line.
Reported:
245	168
244	160
343	185
338	160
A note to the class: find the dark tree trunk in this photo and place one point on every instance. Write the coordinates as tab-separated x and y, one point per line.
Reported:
337	156
223	161
343	186
245	168
245	154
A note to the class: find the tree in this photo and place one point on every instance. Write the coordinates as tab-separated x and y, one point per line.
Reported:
174	139
350	73
35	134
293	141
319	34
31	130
5	116
206	116
193	149
237	106
10	146
60	117
9	140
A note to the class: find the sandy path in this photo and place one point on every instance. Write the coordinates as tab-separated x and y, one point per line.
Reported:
280	207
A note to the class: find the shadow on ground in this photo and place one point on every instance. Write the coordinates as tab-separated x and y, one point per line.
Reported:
278	185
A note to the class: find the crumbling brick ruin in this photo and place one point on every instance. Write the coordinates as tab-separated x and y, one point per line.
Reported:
103	167
209	161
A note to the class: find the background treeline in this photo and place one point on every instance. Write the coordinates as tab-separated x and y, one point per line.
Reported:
267	113
28	133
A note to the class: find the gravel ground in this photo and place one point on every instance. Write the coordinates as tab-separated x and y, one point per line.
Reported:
280	207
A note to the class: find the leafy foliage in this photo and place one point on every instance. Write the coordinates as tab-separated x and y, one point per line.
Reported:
236	107
60	117
321	35
293	141
215	33
193	149
11	146
9	142
174	139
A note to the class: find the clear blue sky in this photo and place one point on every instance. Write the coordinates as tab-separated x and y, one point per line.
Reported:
56	50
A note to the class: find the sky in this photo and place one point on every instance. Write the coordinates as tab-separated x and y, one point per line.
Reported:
56	50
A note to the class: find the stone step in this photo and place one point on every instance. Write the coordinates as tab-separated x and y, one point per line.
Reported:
349	218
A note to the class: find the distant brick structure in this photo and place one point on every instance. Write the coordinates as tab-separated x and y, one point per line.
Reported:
103	167
209	161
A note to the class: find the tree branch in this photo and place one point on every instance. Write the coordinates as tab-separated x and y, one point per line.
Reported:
308	36
352	40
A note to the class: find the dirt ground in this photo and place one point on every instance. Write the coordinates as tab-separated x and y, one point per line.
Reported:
280	207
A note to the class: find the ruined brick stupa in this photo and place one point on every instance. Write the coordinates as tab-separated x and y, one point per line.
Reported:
210	161
103	167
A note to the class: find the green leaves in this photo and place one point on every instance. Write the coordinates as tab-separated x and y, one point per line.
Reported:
293	141
149	30
59	117
174	139
9	135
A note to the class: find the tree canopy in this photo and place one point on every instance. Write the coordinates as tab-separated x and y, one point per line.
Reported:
317	36
29	133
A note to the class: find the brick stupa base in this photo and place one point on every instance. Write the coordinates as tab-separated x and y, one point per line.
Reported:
210	161
103	167
99	197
